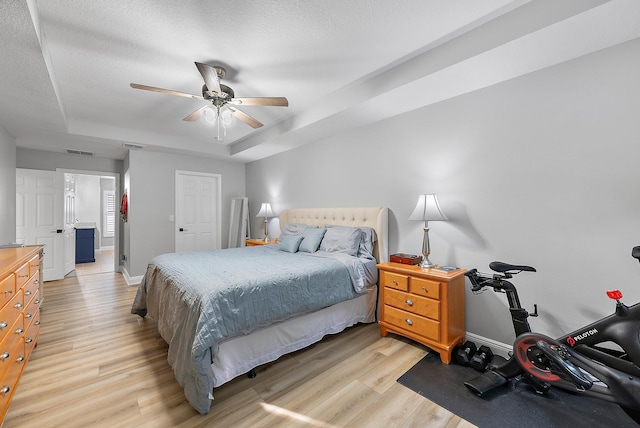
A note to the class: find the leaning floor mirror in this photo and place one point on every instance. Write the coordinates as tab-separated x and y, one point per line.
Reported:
239	227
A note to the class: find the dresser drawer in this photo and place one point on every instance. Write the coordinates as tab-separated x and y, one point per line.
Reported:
9	344
425	287
34	265
10	313
31	289
22	275
9	381
31	336
417	324
411	303
7	289
394	280
31	309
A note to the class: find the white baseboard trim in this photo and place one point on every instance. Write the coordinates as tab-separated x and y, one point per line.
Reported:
131	280
498	348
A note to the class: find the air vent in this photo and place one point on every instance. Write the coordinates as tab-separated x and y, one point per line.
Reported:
79	152
132	146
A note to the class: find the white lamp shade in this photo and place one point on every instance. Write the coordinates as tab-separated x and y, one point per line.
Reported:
427	209
209	115
227	117
265	210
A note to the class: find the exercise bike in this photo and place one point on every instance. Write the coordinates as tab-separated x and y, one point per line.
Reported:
574	362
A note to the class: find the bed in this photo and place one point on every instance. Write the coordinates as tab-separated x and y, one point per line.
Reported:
225	312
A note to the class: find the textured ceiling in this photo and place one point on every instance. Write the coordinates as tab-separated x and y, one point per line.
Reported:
67	65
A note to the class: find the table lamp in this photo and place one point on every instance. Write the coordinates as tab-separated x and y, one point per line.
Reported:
427	209
266	212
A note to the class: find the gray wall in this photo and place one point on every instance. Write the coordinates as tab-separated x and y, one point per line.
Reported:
539	170
50	161
152	192
7	187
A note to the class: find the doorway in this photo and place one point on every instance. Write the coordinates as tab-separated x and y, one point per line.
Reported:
91	204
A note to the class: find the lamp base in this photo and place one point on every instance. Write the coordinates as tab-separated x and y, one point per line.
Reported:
426	263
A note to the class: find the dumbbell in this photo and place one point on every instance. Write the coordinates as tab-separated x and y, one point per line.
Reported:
481	358
465	353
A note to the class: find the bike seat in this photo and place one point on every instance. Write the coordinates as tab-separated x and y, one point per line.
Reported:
506	267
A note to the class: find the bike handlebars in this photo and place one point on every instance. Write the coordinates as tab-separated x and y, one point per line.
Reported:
480	280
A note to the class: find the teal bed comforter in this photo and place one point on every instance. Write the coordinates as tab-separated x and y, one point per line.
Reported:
200	299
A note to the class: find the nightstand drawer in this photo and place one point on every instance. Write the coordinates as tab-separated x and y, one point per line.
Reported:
425	287
412	322
412	303
393	280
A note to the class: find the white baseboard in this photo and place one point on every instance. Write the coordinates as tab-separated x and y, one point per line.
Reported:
498	348
131	280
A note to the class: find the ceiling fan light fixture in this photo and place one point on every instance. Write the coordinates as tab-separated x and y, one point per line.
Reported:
227	117
209	115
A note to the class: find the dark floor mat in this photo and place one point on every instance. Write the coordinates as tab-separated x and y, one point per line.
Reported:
512	405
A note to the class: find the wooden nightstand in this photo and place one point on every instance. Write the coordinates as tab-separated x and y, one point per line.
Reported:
424	305
254	242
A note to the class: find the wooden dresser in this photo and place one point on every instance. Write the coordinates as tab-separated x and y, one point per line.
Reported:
424	305
20	300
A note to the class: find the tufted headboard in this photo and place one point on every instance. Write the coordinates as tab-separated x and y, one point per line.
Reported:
375	217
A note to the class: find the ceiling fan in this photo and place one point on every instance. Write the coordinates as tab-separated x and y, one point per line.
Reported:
220	96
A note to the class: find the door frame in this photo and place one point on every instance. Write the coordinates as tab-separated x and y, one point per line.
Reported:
116	245
218	211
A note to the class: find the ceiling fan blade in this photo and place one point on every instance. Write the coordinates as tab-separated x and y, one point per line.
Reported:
165	91
210	77
261	101
245	117
195	115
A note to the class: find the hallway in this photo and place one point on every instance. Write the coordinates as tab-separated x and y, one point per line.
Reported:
103	263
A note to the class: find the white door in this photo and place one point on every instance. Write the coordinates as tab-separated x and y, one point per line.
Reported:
197	211
69	223
39	217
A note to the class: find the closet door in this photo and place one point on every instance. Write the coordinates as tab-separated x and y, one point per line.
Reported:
198	208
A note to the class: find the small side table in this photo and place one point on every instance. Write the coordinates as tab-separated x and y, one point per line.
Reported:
254	242
425	305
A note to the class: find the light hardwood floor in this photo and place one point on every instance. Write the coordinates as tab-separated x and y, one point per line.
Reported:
97	365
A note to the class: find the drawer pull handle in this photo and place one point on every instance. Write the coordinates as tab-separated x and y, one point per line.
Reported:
408	321
29	340
20	359
37	322
18	305
23	276
8	291
3	325
28	292
28	315
37	301
5	390
19	331
425	289
395	282
409	302
4	356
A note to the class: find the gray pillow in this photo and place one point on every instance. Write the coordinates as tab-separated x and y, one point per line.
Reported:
294	229
367	241
311	239
289	243
340	239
